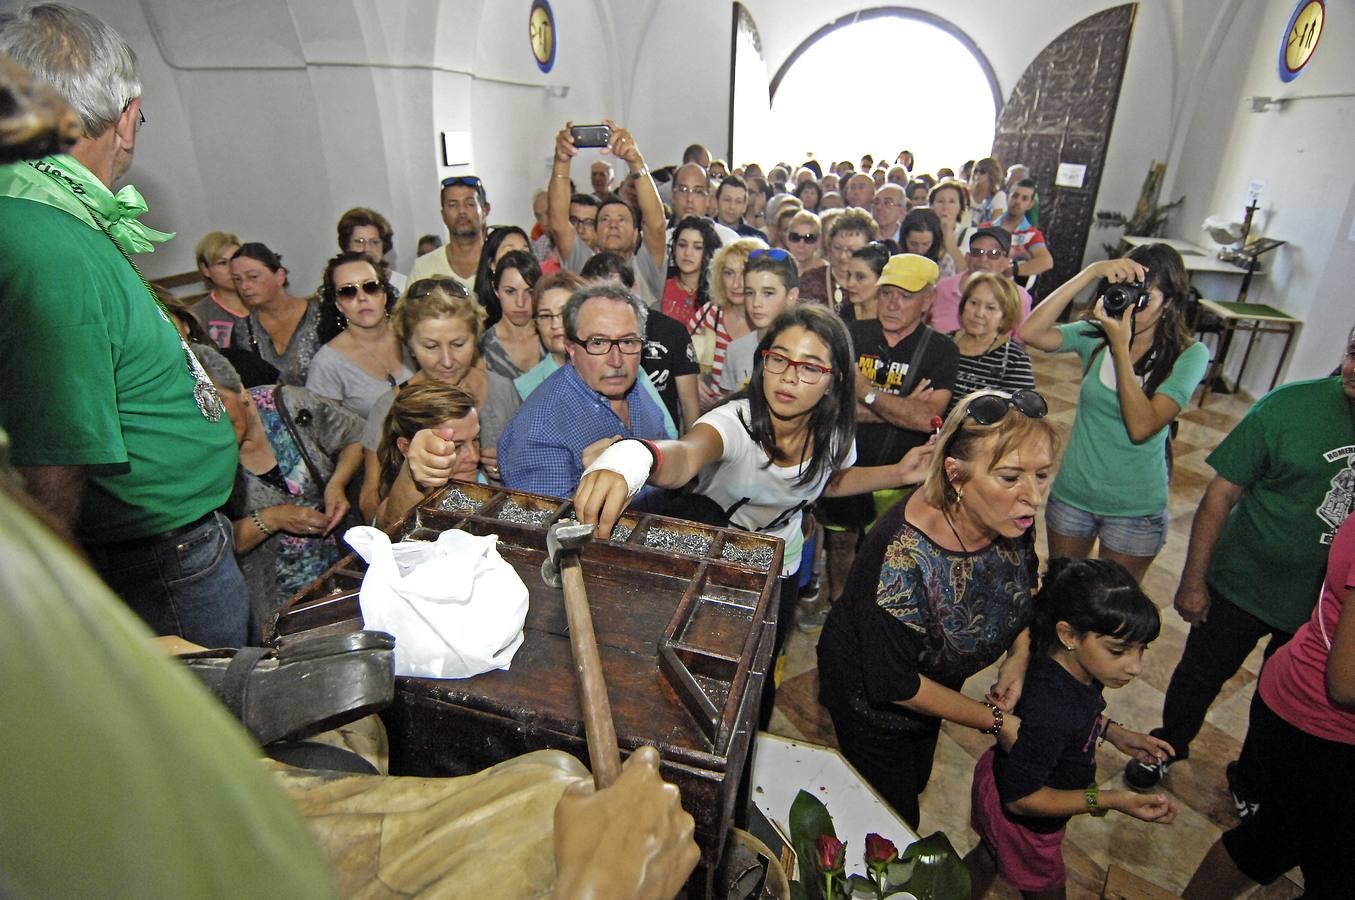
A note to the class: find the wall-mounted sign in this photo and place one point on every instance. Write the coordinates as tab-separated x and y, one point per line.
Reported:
1070	175
541	30
1301	37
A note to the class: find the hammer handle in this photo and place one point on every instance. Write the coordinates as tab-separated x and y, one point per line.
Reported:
597	710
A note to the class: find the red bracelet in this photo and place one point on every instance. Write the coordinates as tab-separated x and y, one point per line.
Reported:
997	719
653	448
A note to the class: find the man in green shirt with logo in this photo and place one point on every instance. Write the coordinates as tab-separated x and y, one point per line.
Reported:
1258	547
116	430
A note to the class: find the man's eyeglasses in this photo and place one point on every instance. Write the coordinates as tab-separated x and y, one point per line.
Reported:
797	238
995	253
774	253
601	346
583	223
807	372
350	291
990	408
886	202
689	189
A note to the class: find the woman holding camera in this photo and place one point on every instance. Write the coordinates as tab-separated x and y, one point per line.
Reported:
1140	367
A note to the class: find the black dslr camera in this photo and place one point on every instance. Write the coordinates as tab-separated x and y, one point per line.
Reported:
1124	295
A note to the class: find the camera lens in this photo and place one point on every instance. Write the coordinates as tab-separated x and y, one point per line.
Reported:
1119	297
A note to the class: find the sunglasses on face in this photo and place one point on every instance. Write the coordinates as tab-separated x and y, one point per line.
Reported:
995	253
807	372
350	291
797	238
774	253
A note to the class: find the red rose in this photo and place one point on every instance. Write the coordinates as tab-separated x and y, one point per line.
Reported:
832	853
880	851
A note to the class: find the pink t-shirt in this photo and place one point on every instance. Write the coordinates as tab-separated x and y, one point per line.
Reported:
945	312
1294	680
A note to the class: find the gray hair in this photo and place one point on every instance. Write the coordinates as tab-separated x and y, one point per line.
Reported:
218	368
611	290
87	62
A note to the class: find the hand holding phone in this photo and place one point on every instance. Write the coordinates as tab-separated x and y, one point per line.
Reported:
591	135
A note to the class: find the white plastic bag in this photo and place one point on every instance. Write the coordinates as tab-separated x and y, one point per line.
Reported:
455	607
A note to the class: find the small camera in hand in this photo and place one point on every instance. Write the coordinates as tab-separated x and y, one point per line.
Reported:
1122	296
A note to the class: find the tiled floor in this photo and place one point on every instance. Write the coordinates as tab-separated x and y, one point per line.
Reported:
1164	855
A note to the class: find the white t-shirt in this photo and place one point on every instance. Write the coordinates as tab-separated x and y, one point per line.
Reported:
738	362
774	502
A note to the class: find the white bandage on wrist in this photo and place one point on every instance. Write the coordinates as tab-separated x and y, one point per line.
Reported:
630	459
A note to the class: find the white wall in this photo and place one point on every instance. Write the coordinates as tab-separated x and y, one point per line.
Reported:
270	118
1302	154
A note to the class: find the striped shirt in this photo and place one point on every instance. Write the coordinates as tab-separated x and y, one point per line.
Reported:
710	316
1006	368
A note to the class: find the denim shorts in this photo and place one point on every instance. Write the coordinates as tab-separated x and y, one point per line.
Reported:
1127	535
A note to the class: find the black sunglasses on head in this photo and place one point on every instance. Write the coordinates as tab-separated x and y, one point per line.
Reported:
990	408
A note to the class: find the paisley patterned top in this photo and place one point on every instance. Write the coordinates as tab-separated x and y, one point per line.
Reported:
913	608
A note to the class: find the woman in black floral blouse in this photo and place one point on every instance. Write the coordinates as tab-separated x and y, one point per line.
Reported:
940	589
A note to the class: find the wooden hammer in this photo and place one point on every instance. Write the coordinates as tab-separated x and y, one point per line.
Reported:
561	567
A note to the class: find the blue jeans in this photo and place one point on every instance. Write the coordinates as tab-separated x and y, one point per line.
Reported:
186	583
1131	535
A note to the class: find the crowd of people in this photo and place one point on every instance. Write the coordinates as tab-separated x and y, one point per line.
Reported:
784	351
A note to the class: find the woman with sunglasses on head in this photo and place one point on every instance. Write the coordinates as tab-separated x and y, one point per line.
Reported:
768	453
804	233
441	326
688	285
361	358
511	346
940	589
1140	367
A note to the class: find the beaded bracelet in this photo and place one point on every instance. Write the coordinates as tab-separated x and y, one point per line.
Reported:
258	522
997	719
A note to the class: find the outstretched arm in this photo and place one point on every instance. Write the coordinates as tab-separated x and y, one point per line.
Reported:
604	493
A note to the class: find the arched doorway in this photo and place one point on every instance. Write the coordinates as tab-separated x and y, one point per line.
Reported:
826	98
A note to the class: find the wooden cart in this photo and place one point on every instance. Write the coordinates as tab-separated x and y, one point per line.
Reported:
685	616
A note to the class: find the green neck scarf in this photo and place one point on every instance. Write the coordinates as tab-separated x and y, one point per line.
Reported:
63	182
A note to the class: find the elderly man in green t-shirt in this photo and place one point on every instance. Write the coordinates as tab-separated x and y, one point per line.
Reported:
1258	548
116	430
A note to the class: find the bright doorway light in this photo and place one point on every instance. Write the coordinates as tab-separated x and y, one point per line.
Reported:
879	86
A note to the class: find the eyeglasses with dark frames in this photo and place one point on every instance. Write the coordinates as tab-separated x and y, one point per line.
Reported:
806	372
601	346
995	253
798	238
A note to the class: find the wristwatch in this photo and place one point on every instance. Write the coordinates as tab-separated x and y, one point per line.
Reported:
869	399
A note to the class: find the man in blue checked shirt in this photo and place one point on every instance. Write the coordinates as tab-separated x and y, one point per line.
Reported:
592	398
